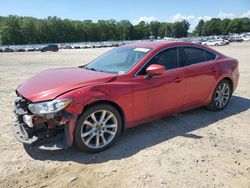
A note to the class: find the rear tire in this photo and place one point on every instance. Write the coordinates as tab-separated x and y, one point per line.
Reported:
221	96
98	128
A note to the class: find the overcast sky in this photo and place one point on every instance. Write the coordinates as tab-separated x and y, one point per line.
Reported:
133	10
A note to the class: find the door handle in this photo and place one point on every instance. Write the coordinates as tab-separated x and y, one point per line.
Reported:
213	69
178	79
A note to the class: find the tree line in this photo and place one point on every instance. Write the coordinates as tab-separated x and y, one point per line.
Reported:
217	26
29	30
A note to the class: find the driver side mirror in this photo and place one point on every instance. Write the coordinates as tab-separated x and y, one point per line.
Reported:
155	69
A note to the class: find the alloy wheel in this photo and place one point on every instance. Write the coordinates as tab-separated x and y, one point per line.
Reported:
222	95
99	129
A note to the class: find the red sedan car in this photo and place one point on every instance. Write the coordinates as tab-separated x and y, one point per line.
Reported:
92	104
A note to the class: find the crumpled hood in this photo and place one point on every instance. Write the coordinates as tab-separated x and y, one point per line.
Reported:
49	84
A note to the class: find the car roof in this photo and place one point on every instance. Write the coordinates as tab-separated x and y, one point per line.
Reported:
160	44
157	45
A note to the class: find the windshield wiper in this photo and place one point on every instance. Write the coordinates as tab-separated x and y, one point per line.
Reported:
82	66
91	69
88	68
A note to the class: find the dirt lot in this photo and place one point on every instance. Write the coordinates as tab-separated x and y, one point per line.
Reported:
198	148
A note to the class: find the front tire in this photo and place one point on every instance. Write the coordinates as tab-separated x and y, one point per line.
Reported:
221	96
98	128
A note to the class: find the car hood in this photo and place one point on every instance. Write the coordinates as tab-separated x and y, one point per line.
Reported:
49	84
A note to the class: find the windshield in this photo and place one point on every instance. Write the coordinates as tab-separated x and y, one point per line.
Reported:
118	60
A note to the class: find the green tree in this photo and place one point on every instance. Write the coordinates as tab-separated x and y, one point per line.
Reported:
245	25
141	31
29	30
12	32
154	28
125	30
180	29
235	26
224	26
165	30
199	28
212	27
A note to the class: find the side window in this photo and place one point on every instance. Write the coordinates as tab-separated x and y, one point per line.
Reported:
210	56
192	55
168	58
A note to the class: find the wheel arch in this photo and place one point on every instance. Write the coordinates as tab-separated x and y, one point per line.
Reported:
115	105
230	82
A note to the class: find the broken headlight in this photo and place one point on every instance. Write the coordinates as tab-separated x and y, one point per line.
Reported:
49	107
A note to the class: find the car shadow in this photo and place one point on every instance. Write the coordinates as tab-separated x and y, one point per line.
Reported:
147	135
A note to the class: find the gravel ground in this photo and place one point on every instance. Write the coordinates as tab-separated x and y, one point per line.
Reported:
198	148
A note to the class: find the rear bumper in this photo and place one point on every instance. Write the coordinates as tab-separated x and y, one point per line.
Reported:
236	77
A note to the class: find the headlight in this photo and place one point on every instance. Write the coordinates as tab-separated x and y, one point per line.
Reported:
49	107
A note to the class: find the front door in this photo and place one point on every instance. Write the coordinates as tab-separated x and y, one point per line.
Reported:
162	93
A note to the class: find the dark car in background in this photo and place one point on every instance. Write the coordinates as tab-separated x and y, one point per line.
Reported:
50	47
234	39
8	49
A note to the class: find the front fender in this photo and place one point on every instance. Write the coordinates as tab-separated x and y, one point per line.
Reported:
119	93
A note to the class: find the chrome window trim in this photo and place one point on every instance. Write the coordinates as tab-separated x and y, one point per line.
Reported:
217	56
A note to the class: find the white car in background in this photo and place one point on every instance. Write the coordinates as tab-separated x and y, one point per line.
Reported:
214	43
245	37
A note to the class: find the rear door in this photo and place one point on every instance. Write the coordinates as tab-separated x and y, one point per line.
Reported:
200	71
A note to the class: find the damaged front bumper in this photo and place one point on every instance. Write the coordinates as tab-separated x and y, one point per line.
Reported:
50	134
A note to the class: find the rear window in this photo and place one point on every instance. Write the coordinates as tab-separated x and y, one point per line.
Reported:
210	56
193	55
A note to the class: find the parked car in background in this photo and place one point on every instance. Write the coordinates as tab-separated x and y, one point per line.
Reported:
92	104
65	46
215	42
76	46
50	47
20	50
235	39
245	37
30	49
8	49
